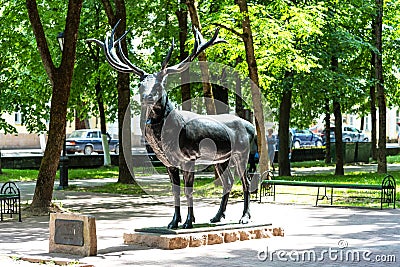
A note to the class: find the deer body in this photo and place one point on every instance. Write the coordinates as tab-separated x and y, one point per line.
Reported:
182	139
179	138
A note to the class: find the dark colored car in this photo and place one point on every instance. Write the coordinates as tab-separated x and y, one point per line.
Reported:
305	137
349	134
88	141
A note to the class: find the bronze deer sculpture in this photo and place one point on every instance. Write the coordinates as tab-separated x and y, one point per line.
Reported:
182	139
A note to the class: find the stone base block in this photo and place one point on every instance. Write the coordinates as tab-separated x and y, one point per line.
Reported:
72	234
199	237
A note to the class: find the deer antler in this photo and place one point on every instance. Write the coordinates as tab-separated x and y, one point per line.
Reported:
199	46
117	59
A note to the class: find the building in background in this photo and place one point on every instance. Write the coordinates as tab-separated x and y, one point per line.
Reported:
25	140
392	118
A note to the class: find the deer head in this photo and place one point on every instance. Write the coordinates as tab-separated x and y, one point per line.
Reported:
152	86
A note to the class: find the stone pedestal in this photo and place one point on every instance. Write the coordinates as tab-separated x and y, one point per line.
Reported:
72	234
200	235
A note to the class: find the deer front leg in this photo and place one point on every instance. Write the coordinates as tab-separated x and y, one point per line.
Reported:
176	190
227	182
189	180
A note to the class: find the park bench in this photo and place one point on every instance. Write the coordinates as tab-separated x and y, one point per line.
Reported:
387	189
10	200
255	179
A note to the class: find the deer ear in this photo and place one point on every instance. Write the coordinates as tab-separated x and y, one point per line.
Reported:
144	76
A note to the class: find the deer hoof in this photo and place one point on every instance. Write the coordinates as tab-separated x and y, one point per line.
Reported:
245	219
218	217
187	225
174	223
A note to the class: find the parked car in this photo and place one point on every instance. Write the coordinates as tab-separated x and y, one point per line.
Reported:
88	141
349	134
305	137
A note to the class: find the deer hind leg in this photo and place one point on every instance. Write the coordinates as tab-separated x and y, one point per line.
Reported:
227	182
176	190
188	177
240	163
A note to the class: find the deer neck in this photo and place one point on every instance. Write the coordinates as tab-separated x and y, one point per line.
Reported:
154	127
159	112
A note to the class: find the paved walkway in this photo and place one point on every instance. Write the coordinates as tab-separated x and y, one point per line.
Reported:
332	236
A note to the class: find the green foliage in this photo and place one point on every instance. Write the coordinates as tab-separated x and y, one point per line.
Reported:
6	127
391	48
92	68
296	36
24	85
284	37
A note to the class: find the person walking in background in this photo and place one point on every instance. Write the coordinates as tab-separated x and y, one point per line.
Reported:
271	141
253	157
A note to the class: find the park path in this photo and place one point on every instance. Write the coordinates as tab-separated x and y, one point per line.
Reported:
325	233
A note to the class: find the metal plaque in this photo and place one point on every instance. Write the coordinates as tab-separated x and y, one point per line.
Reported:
68	232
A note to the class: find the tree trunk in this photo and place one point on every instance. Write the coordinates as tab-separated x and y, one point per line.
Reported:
372	94
255	90
183	54
103	126
337	112
207	89
124	125
221	94
221	99
328	157
61	79
381	155
339	170
81	124
238	98
48	167
125	176
362	124
285	144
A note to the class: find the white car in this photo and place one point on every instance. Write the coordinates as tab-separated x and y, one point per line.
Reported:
352	134
349	134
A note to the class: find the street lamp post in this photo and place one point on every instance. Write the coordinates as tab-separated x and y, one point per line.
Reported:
64	158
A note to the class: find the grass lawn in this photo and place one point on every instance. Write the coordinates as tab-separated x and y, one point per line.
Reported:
93	173
205	186
31	175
